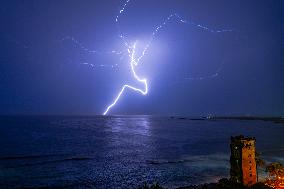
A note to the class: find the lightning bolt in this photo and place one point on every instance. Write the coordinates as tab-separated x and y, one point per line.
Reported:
133	64
130	51
135	61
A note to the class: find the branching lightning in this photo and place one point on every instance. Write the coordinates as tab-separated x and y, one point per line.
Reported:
133	63
135	60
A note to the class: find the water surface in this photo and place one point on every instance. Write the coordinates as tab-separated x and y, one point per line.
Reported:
123	151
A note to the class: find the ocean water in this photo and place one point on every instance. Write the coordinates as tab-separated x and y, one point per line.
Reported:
124	151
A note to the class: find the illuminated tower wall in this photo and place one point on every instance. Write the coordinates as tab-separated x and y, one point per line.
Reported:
243	165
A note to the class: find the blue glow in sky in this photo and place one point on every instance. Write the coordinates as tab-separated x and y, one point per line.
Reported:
67	57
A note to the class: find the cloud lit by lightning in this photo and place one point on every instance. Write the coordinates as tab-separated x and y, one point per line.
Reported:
134	60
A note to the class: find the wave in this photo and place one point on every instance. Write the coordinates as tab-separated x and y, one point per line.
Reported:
73	158
30	156
192	159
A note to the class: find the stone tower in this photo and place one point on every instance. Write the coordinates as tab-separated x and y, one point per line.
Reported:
243	165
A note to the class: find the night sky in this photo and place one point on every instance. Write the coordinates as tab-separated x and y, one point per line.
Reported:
190	71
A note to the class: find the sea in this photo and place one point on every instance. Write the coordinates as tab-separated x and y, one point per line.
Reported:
125	151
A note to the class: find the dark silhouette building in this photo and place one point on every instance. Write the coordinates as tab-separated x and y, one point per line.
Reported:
243	164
